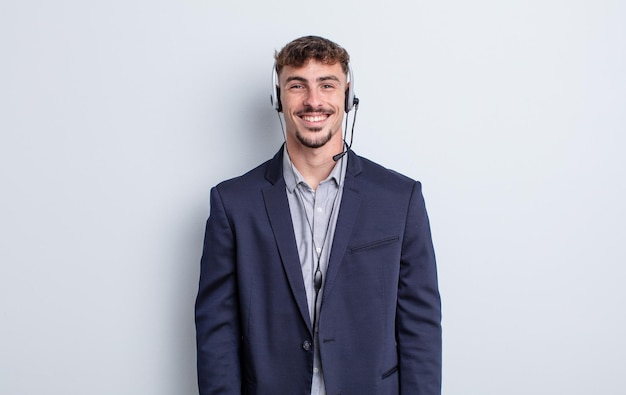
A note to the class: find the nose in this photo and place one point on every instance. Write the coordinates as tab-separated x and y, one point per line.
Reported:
312	98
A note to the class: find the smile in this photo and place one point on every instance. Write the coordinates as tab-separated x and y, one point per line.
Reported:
314	118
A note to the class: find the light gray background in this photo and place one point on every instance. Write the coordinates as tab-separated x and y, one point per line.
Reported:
116	117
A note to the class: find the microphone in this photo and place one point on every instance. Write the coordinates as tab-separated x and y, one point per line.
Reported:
339	155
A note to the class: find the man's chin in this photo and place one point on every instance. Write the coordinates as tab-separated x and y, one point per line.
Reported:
314	143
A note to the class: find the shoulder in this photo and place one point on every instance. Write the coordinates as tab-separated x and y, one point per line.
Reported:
249	177
245	185
259	177
374	175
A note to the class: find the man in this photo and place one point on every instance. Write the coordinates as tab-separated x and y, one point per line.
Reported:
318	273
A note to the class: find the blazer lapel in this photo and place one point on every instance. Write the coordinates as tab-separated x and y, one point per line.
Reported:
348	211
277	207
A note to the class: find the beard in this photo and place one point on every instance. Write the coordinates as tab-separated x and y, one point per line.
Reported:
317	142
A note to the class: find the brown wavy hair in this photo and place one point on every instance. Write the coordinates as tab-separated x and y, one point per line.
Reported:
303	49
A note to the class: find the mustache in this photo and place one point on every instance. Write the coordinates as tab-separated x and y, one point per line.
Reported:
311	110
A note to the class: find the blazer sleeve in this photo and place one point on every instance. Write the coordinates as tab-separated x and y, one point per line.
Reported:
216	311
418	316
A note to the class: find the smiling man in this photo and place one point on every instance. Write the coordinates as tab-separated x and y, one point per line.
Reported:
318	273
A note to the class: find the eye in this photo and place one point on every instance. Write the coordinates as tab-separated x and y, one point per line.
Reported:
296	86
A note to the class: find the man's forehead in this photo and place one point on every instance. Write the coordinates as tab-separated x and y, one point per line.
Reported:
313	69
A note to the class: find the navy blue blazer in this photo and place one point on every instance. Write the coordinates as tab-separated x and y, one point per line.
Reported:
380	318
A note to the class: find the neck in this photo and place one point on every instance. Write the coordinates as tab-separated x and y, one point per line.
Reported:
315	164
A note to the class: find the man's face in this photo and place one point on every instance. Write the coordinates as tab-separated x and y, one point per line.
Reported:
313	99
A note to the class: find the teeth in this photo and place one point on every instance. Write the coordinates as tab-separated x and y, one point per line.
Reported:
314	119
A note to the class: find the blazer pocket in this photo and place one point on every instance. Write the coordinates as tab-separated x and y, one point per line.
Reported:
374	244
390	372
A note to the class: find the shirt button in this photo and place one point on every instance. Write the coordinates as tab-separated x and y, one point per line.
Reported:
319	209
318	249
315	370
306	345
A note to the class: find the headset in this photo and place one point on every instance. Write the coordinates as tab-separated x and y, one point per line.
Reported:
351	100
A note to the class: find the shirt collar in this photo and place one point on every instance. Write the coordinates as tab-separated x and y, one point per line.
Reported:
293	177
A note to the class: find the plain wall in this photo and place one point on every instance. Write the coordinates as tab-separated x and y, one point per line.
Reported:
116	117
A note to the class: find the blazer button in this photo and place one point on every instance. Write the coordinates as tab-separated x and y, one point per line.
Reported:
306	345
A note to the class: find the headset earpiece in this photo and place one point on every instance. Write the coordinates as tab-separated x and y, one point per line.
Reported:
351	101
275	96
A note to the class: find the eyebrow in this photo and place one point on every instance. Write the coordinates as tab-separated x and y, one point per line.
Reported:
320	79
